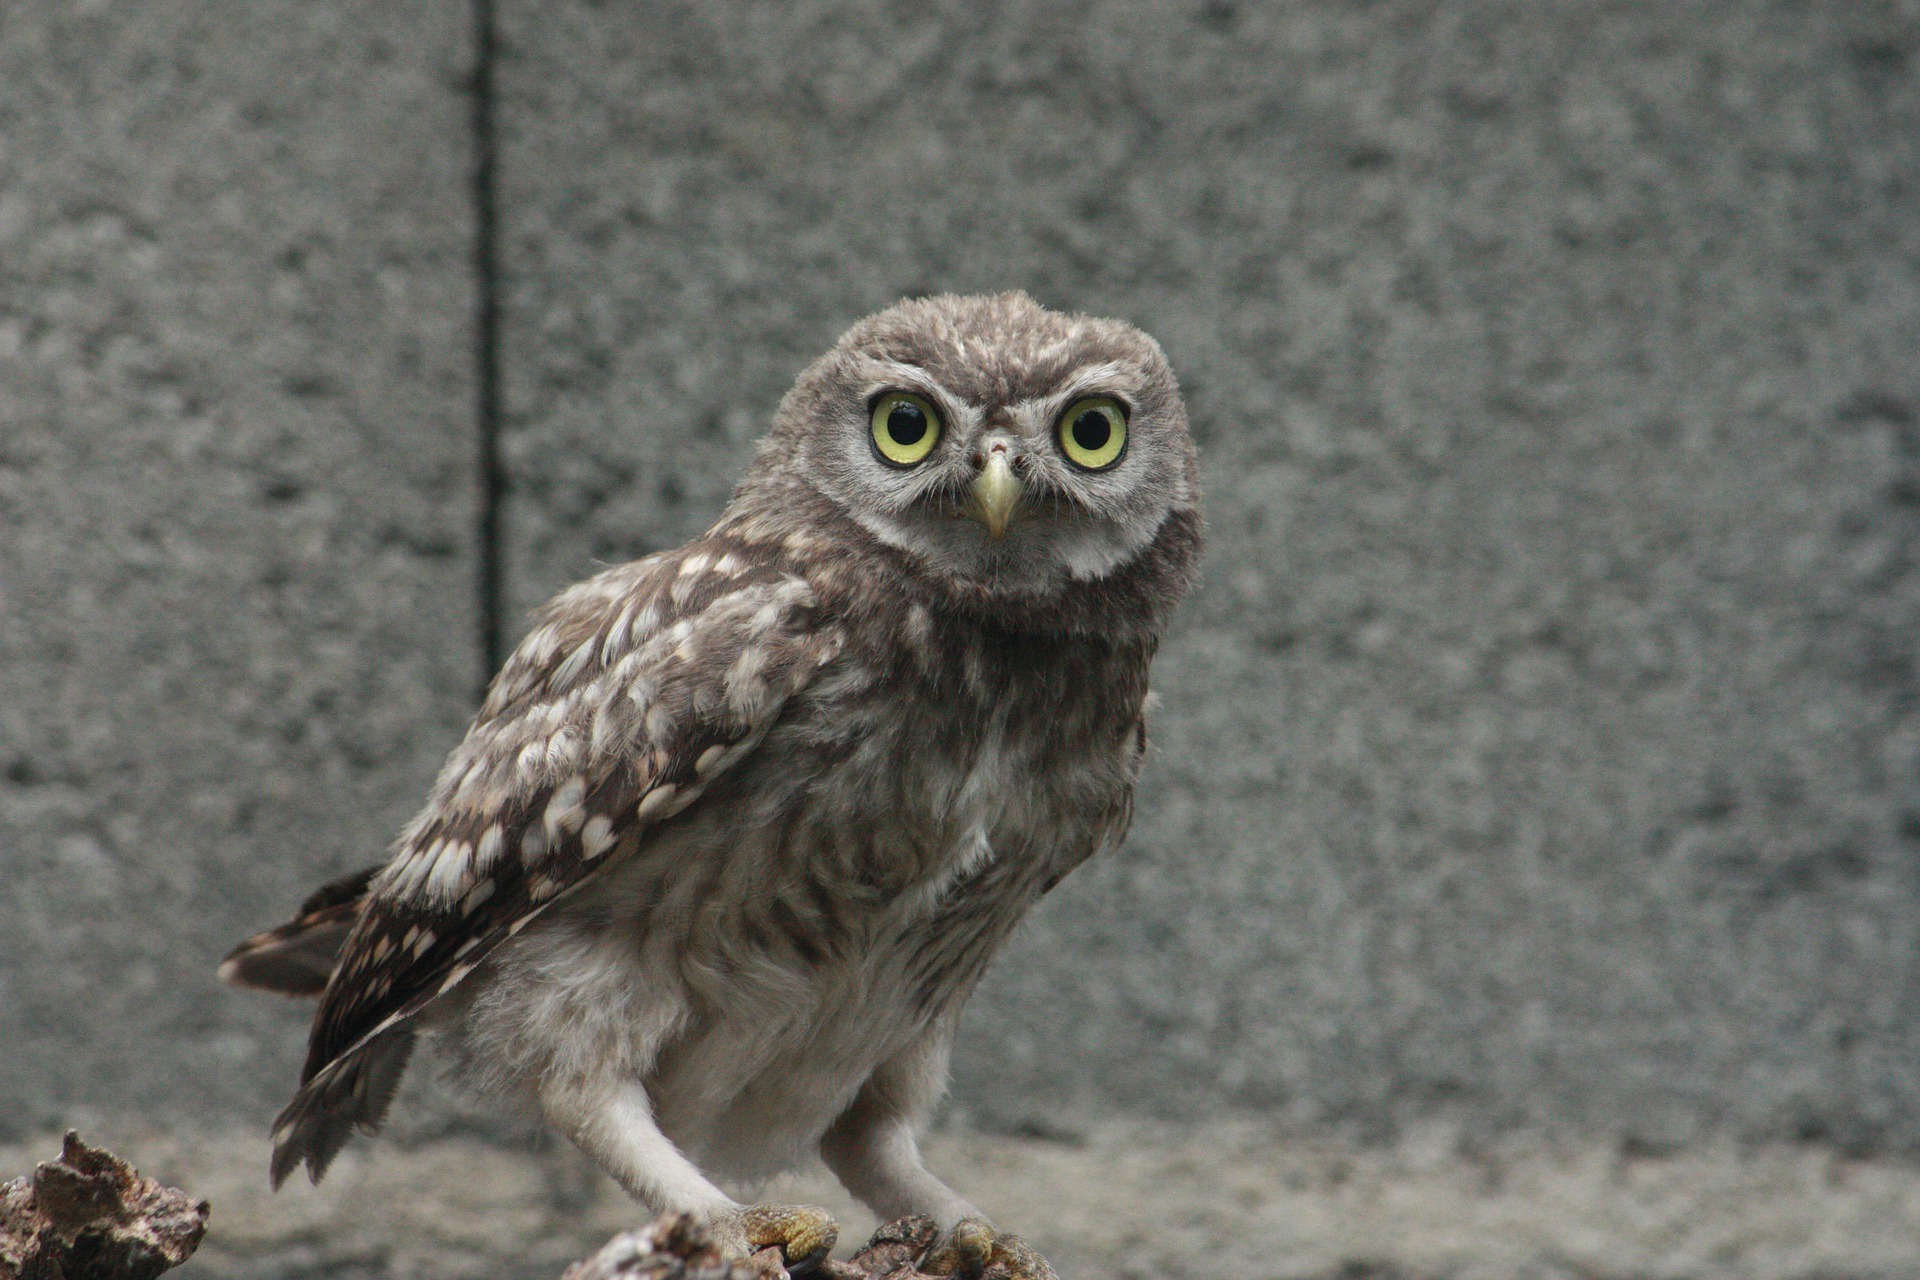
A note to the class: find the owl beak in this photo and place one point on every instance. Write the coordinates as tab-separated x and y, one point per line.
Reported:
996	493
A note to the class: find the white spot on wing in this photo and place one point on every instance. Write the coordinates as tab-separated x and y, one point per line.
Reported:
655	802
596	837
452	869
410	873
491	845
567	672
533	759
540	647
563	751
746	689
691	570
475	896
533	846
566	810
604	728
616	634
768	615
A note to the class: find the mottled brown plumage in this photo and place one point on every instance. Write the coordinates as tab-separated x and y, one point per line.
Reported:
740	825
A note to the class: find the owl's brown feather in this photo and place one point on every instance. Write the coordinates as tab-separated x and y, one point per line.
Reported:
297	958
635	690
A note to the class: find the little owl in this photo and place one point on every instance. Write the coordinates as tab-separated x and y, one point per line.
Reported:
740	825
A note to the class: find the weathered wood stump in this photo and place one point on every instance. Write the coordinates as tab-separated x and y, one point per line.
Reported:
90	1216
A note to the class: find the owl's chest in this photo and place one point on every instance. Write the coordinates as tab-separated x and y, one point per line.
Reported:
852	877
911	779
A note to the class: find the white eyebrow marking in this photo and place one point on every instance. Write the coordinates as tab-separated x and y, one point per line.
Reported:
888	375
1108	378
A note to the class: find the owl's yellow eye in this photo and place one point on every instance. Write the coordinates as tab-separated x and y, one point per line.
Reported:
1093	432
905	428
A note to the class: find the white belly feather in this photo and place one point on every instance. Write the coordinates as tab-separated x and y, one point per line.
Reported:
749	1051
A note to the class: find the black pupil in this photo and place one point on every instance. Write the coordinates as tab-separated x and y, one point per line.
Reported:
906	424
1091	431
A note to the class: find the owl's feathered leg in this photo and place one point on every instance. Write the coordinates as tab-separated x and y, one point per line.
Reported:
872	1149
612	1121
878	1160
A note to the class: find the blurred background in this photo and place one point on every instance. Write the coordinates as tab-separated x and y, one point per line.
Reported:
1527	881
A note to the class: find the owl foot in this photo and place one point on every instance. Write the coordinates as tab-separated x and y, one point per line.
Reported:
973	1250
780	1239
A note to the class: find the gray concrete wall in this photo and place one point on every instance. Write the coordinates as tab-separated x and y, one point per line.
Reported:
1539	763
1541	748
236	505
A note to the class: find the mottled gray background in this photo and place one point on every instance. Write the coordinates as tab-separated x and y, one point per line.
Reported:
1540	761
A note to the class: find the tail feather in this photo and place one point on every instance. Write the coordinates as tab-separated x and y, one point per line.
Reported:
297	958
351	1093
354	1091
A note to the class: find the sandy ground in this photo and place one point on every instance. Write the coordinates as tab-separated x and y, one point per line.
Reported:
1119	1199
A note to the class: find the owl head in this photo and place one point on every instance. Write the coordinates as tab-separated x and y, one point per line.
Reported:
1007	452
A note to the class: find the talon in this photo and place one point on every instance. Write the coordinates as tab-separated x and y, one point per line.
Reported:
803	1234
966	1250
768	1263
975	1251
1022	1260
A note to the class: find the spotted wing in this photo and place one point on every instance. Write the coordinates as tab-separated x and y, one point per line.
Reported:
634	691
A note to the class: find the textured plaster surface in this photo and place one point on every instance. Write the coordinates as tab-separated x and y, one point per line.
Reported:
235	446
1541	749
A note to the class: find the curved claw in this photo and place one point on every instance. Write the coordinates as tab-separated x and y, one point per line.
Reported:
803	1235
973	1250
